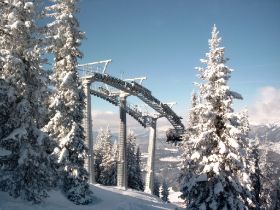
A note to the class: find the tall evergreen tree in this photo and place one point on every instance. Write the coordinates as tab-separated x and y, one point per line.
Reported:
138	171
256	173
193	116
131	157
193	119
267	183
108	174
134	180
105	158
164	191
156	187
187	165
67	103
277	196
216	175
98	151
26	169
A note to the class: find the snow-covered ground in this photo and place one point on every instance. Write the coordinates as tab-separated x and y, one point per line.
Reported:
174	197
106	198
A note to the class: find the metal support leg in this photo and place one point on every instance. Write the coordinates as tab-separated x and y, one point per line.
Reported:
122	162
149	184
88	130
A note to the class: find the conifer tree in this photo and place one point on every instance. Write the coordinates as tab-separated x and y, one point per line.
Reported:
131	157
105	158
215	173
267	184
98	153
26	170
193	116
156	187
133	164
193	119
164	191
187	165
138	171
256	172
67	103
277	196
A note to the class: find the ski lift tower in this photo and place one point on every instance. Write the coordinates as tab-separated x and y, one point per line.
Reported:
85	73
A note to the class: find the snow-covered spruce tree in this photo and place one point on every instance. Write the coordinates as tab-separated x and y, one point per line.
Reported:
217	174
26	168
164	191
193	115
108	174
134	180
131	160
98	153
105	158
138	171
277	196
192	121
156	187
252	159
255	172
192	131
267	182
67	103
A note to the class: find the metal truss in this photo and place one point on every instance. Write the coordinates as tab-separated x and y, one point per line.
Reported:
131	87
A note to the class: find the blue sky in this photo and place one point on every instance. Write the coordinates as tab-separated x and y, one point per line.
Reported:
164	40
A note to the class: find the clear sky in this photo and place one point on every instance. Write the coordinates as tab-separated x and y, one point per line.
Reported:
165	39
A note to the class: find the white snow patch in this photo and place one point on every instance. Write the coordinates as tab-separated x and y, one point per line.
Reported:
62	155
171	149
16	25
170	159
207	168
174	197
216	167
233	143
195	155
28	5
222	147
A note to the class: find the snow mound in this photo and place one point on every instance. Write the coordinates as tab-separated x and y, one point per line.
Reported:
106	198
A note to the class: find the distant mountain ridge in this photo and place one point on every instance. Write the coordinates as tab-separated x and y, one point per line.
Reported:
266	132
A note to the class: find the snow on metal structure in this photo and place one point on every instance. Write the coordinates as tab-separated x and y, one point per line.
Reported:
95	72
